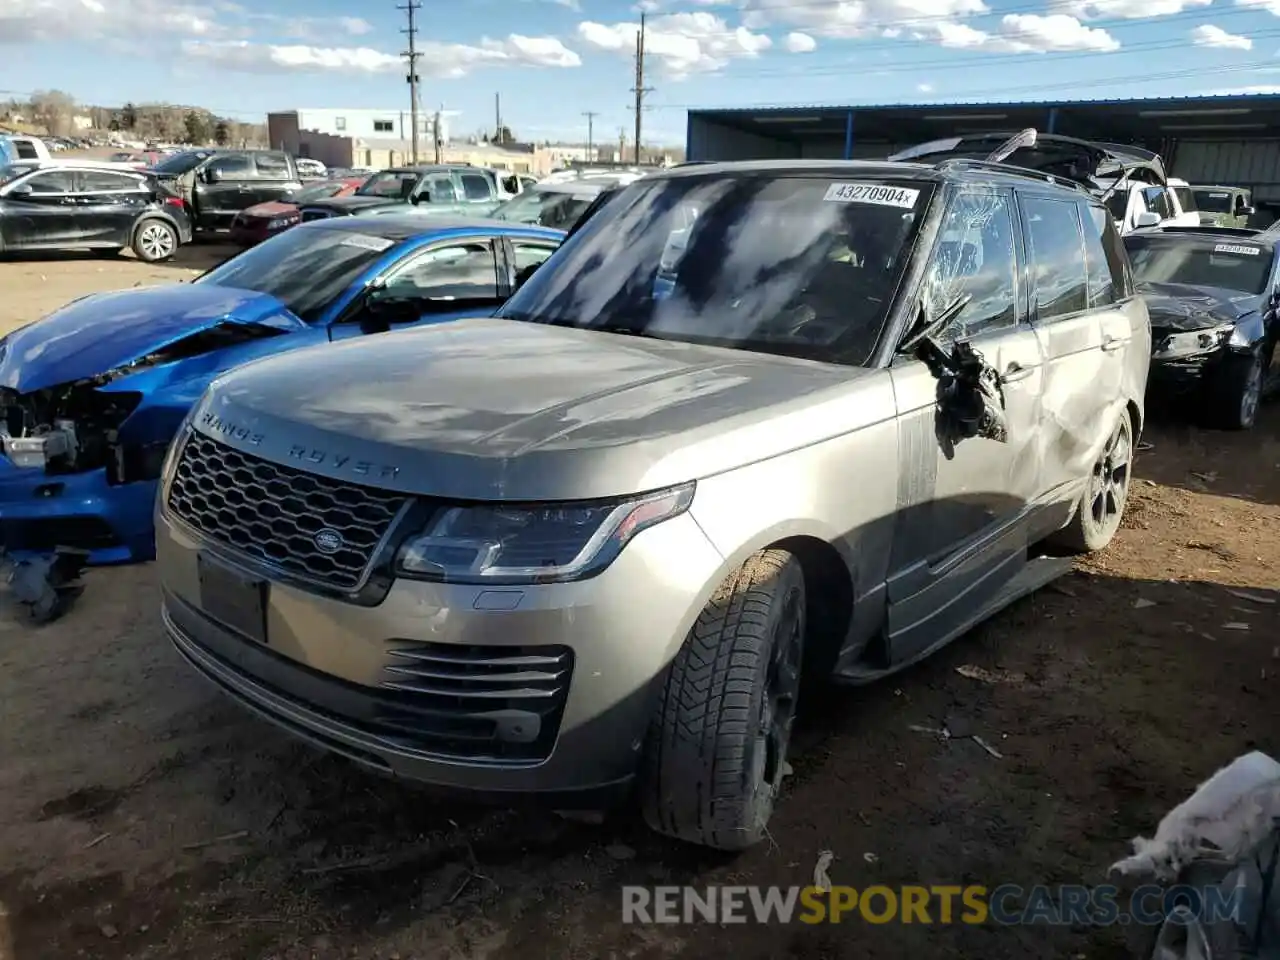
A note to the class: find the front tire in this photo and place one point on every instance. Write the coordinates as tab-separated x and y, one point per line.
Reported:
154	240
716	749
1236	389
1101	507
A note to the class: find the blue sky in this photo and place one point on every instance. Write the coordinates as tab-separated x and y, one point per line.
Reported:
551	60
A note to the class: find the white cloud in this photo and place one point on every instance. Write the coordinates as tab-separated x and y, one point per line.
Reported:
800	43
1125	9
924	87
1023	33
683	43
24	21
356	26
1207	35
1239	91
1271	6
438	59
844	19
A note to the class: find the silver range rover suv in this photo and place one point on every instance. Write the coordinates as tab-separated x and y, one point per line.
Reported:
751	422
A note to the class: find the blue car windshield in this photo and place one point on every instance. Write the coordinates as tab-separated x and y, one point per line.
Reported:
306	268
802	266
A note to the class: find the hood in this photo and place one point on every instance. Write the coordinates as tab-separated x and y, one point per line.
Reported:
271	209
502	409
353	203
1180	306
1083	161
98	333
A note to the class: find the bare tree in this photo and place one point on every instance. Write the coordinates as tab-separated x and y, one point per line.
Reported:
53	110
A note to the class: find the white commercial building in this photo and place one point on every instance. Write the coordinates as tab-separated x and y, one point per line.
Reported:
358	123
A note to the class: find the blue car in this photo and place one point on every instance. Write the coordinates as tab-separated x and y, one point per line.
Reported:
91	395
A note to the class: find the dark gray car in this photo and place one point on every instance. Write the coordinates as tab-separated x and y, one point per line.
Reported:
750	422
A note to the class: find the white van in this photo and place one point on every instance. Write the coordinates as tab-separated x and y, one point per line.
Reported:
27	148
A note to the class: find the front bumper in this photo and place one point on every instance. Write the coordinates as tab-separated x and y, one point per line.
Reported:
39	512
326	671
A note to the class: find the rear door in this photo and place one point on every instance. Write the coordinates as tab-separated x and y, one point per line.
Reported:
41	210
477	189
1071	337
273	177
108	203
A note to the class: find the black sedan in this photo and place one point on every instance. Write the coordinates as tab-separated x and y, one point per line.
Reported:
53	205
1212	295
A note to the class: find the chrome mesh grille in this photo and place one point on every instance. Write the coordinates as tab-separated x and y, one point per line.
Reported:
273	512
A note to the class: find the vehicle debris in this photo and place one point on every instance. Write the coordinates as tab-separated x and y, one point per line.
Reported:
1251	597
945	735
1235	625
987	747
46	585
989	676
1142	603
821	881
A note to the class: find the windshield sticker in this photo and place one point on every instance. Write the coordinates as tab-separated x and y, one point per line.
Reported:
871	193
365	242
1235	248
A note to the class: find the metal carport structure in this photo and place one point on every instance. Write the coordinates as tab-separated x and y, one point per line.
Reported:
1212	140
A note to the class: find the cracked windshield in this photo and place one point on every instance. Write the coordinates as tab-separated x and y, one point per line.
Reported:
640	480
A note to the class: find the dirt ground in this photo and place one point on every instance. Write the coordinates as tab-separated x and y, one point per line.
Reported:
144	816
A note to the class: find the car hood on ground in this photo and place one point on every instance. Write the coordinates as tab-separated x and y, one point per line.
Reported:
272	208
1183	307
353	203
501	409
104	331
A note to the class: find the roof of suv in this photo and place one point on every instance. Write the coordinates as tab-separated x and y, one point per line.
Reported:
955	171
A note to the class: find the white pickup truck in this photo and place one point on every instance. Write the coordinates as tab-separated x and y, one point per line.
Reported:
1140	205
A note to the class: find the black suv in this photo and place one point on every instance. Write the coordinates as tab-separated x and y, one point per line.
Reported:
58	205
217	184
448	188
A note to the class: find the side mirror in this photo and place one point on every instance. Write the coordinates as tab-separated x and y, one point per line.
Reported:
1248	211
1147	219
387	309
211	175
19	190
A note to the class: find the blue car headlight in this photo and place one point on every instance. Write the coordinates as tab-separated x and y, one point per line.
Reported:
532	543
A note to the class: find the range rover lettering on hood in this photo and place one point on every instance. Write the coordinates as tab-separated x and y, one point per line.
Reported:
368	469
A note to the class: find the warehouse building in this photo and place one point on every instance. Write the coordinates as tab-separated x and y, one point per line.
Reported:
1207	140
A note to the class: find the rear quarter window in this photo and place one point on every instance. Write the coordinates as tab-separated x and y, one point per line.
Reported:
1060	278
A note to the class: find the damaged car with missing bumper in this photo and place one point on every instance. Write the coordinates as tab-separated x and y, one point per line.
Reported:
1212	294
91	395
755	422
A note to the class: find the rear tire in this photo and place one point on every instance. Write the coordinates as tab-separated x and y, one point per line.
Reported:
1101	507
154	240
716	750
1235	391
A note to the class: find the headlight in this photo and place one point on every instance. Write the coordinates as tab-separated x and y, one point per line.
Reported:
1189	343
533	543
282	222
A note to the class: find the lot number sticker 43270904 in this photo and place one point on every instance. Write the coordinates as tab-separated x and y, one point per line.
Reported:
872	193
1237	249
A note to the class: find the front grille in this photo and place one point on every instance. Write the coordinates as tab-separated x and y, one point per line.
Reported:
309	215
273	512
475	702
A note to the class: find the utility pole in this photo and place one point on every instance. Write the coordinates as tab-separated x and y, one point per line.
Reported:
591	119
411	56
497	117
640	90
622	144
435	133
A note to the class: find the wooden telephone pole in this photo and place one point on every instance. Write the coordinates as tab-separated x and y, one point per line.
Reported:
411	57
640	90
591	120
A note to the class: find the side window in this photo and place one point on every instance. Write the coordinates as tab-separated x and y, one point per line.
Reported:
459	271
1105	257
1061	281
476	187
272	166
26	150
100	181
234	166
975	258
52	181
531	254
442	190
1157	201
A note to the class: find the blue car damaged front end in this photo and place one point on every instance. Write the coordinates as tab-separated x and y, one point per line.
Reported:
91	395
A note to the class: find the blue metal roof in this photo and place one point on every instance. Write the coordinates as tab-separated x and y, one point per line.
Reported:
1258	98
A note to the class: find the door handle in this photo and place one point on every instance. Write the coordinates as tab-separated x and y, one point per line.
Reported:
1111	344
1017	371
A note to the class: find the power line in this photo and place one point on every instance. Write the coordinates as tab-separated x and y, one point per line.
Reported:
640	90
411	58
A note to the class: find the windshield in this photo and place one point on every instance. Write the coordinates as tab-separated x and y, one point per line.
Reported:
1203	263
1186	199
305	268
181	163
319	191
548	208
799	266
1214	201
389	183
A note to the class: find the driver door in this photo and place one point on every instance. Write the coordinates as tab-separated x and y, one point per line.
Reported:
961	529
447	281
